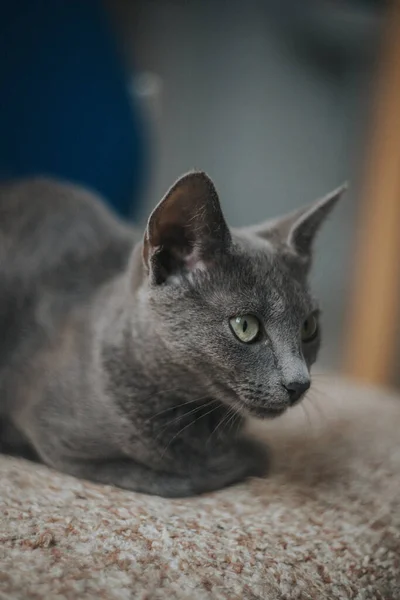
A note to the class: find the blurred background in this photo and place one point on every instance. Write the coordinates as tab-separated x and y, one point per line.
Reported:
280	101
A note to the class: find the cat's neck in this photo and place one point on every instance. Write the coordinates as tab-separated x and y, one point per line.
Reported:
141	373
123	331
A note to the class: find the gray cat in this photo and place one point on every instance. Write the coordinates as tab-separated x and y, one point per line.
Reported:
134	362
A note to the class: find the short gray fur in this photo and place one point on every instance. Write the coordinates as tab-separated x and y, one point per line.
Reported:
117	360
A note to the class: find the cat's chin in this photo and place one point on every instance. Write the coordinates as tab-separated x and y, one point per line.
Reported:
247	409
263	412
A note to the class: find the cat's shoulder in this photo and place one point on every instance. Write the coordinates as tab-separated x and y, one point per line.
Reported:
43	203
46	192
44	220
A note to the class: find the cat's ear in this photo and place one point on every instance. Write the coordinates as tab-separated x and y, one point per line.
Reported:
187	230
296	231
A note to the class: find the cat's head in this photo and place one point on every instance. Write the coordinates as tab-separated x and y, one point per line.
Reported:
233	305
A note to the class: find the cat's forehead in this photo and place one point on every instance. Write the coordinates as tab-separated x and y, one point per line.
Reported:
255	277
247	242
257	258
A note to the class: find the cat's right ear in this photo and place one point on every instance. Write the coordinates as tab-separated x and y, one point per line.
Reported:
294	234
186	231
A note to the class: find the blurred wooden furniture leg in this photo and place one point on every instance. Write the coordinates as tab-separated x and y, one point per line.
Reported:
370	348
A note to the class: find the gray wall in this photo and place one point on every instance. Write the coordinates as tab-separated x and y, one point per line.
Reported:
273	128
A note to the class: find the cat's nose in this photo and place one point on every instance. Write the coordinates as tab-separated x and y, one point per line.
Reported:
296	389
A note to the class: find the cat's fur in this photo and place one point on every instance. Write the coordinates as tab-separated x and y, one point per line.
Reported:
117	361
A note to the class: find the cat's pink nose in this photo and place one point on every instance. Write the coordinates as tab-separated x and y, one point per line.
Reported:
296	389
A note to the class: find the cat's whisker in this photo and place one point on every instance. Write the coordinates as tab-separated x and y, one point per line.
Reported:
238	424
186	414
160	392
218	425
184	428
174	406
221	422
306	413
170	423
321	392
234	419
313	402
324	391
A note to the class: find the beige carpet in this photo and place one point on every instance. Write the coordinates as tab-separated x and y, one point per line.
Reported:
325	525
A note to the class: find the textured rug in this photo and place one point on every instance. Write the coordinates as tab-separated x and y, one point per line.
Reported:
324	525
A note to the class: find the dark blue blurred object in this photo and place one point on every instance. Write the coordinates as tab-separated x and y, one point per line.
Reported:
65	107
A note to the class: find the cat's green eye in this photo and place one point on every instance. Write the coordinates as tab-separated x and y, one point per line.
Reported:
310	328
246	328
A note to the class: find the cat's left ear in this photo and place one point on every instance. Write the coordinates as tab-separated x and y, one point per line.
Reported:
297	231
186	231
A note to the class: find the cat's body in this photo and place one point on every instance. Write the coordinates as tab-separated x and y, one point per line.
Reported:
104	372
